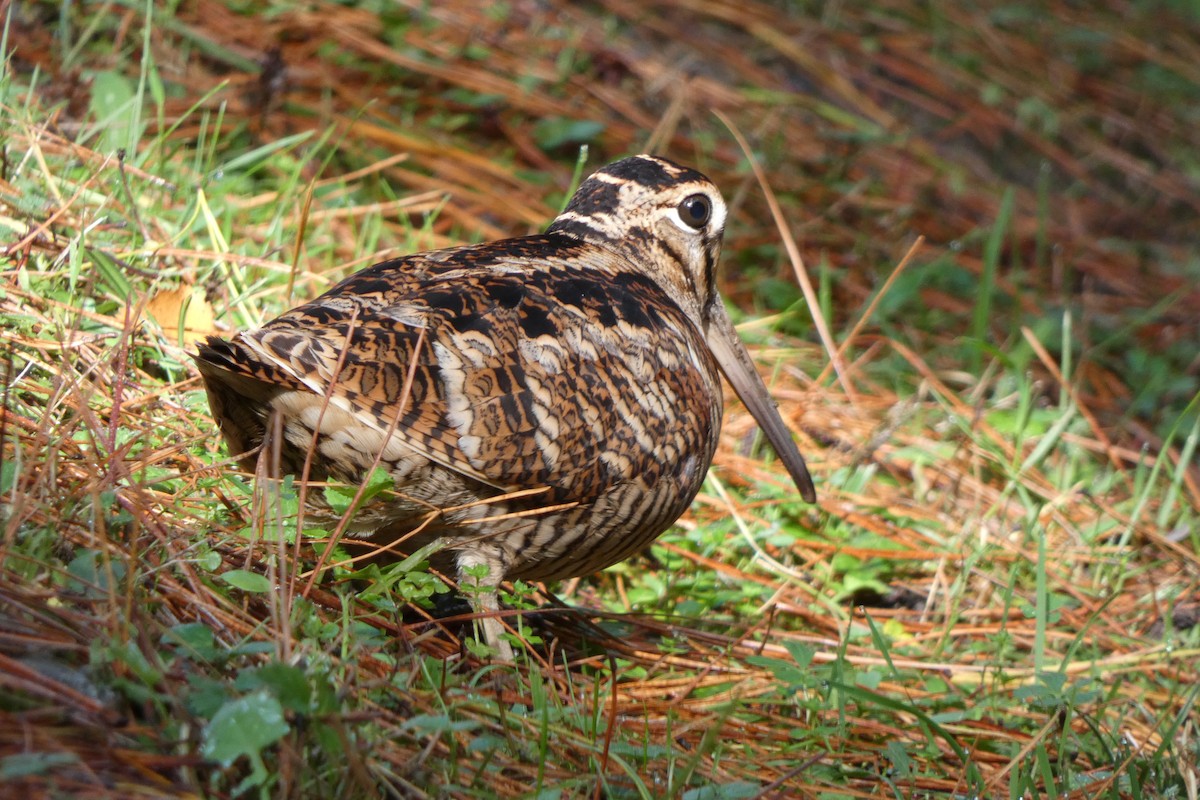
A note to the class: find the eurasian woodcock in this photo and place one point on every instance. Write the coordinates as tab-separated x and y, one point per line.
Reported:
581	362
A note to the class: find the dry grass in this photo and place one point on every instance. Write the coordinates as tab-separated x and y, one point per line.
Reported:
998	593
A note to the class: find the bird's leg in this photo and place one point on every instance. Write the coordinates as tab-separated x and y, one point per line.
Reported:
484	596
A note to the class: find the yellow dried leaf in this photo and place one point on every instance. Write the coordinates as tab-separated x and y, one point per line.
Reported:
182	310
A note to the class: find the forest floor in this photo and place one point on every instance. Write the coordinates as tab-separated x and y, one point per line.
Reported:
971	278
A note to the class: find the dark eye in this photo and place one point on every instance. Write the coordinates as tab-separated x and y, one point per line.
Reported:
695	210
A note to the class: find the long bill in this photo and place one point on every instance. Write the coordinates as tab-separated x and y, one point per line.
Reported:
734	361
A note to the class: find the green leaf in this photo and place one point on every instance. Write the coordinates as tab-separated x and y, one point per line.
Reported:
196	639
253	159
21	765
8	476
869	679
247	581
243	727
132	656
856	581
341	496
284	681
91	574
440	723
802	653
112	273
730	791
552	132
843	562
899	757
204	696
784	671
111	105
209	560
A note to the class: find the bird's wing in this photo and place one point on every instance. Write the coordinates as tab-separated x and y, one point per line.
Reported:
516	364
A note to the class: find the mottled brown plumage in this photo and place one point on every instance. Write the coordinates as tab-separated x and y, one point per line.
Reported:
582	362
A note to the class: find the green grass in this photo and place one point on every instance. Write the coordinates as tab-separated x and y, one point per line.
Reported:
996	597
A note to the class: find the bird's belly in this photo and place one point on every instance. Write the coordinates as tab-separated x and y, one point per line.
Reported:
622	521
534	537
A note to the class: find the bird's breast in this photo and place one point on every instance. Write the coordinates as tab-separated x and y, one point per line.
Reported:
576	381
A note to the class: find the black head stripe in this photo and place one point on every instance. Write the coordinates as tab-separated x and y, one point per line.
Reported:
651	171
